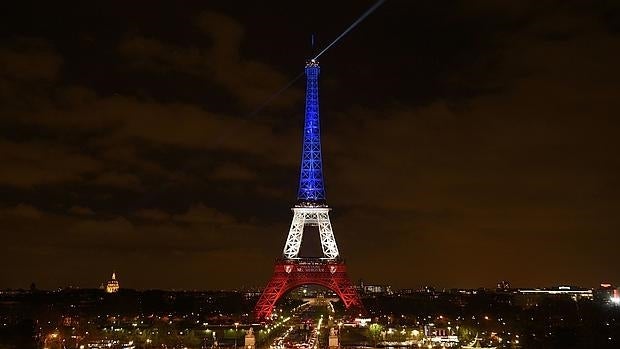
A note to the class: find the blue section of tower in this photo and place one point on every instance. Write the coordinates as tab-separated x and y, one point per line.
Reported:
311	186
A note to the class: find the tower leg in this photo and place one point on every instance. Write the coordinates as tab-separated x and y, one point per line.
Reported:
328	241
295	235
273	291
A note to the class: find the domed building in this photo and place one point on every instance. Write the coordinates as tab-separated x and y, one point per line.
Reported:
112	285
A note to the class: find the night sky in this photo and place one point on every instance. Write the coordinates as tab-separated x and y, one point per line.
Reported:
464	142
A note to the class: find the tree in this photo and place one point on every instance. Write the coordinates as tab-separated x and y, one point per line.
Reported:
375	333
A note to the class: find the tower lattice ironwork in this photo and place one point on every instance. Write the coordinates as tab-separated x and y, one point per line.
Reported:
311	209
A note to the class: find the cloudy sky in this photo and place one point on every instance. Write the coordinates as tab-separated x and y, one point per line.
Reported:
464	142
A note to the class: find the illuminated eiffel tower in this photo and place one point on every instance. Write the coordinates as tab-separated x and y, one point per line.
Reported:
311	209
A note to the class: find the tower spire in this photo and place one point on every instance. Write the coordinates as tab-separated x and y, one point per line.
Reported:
311	186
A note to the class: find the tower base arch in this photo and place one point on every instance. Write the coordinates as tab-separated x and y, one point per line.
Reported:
291	273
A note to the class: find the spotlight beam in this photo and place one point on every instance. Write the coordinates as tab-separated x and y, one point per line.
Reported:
353	25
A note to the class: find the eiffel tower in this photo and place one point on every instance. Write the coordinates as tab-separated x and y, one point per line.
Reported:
311	209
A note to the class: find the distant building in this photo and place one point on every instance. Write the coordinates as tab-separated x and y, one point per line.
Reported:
112	285
607	293
373	289
529	297
440	336
428	289
503	286
250	294
377	289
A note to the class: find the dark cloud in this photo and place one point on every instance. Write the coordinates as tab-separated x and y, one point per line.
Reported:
29	59
120	180
81	211
231	171
34	163
252	82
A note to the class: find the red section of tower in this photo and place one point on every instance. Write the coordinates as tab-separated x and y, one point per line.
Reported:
289	274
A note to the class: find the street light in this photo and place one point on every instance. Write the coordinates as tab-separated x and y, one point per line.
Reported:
236	325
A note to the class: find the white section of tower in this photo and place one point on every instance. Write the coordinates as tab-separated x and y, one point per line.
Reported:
311	216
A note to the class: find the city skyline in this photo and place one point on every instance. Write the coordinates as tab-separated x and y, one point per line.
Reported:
463	144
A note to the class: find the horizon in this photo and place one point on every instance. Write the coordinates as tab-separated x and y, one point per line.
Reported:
258	287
